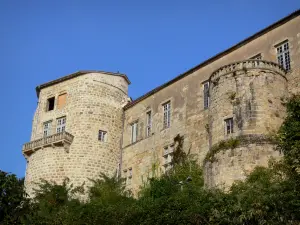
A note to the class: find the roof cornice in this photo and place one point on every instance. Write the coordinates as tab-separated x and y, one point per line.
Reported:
76	74
216	57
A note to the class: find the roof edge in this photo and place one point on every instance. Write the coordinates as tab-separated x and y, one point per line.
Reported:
217	56
76	74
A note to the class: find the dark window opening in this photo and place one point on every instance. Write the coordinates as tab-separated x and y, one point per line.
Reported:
50	103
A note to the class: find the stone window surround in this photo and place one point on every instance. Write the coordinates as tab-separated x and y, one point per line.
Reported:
225	119
136	131
55	96
47	131
205	106
149	130
61	124
162	104
167	156
102	136
46	107
280	42
52	128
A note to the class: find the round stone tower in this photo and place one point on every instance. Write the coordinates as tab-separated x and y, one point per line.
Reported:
77	128
245	109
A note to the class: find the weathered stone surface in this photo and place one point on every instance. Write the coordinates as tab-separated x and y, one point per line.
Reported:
252	96
94	102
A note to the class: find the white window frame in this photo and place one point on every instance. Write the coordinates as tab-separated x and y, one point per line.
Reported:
167	114
229	126
61	124
134	131
283	55
206	95
102	136
47	128
149	123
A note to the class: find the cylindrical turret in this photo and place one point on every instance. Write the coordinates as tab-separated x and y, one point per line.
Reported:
246	106
77	128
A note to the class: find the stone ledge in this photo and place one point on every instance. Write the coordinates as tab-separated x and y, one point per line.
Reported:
246	65
59	139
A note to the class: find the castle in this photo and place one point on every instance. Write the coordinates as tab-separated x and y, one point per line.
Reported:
85	123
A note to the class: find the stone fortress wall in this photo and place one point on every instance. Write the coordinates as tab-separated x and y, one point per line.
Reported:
94	102
249	91
260	87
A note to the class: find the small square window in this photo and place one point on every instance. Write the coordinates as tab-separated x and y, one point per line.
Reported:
50	104
102	136
228	126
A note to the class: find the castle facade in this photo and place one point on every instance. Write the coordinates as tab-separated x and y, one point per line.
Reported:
86	124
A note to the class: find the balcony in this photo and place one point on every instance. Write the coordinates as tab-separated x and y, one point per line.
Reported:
59	139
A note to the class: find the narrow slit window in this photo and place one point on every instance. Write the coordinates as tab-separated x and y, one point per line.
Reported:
206	95
149	123
167	115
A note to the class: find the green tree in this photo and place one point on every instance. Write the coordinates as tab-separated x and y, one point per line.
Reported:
11	198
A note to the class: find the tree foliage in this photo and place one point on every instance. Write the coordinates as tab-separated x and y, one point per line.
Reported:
11	197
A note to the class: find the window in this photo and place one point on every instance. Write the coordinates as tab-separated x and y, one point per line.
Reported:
257	57
283	55
129	176
149	123
50	104
134	132
206	94
61	125
61	100
228	126
47	128
102	135
167	114
168	157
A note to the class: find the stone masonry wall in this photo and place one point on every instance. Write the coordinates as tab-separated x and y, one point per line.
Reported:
189	117
94	102
251	92
234	164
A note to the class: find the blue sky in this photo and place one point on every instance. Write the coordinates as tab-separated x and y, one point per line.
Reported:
150	41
